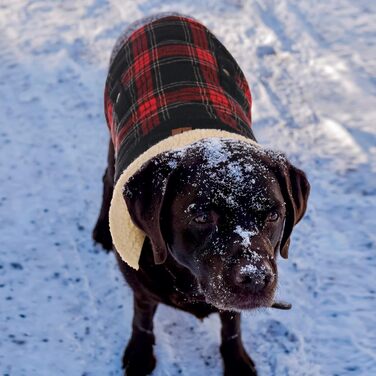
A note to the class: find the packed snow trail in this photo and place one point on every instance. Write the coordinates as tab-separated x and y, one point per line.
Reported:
64	307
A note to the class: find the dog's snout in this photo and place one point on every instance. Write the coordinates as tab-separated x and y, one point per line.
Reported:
254	277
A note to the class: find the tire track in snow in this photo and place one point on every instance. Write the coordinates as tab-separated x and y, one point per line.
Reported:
287	95
60	251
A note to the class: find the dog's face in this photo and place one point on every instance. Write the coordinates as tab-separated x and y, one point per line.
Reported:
223	209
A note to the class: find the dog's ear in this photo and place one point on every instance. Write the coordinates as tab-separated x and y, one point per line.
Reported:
295	189
144	195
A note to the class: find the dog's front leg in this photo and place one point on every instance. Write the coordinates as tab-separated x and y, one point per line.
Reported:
236	360
101	232
138	357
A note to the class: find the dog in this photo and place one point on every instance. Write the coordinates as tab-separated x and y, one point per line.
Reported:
195	208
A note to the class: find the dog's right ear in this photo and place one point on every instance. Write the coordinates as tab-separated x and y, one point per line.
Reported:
144	195
295	189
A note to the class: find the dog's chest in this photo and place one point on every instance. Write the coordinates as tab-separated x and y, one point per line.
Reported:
172	285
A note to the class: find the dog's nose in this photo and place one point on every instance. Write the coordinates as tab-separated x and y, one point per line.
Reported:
254	277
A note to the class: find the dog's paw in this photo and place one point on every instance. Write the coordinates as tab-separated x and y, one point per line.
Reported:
242	367
138	358
237	362
101	234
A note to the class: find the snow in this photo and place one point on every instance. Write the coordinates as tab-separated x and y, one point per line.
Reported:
65	309
258	273
215	152
246	235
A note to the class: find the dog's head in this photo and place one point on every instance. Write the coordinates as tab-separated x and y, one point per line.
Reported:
224	209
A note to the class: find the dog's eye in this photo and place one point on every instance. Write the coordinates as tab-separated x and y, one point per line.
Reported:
273	216
202	219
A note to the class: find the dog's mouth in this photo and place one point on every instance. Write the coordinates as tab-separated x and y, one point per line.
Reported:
250	303
240	303
229	300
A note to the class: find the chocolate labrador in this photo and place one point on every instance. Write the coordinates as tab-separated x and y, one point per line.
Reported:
216	211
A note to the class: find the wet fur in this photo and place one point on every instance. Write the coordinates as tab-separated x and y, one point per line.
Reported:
172	284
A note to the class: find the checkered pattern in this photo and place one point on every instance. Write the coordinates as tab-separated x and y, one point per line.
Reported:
172	74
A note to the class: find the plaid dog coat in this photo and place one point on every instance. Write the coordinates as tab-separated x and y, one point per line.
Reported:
170	83
170	75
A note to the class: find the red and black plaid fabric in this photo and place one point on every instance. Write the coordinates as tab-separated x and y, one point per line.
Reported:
170	74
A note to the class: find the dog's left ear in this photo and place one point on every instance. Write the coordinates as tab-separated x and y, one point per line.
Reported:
295	189
144	195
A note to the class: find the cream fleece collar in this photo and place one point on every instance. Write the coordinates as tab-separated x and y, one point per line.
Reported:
126	237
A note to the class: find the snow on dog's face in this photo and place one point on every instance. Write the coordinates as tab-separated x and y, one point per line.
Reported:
223	209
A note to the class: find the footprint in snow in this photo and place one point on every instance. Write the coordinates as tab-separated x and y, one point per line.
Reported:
280	336
265	50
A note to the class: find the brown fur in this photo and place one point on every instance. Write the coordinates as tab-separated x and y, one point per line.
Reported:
180	260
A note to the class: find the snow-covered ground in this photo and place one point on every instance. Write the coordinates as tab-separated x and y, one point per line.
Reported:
64	307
